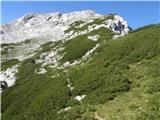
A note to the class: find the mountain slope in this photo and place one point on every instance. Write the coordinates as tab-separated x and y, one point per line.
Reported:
87	76
53	26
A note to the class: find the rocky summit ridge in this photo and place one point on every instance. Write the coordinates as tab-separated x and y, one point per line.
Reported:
52	26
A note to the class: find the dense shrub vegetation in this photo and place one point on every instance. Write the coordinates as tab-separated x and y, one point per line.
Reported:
77	47
121	81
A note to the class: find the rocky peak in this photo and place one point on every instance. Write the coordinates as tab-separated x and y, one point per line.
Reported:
53	25
28	16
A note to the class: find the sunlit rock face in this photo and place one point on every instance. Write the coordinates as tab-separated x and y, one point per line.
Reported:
118	25
8	76
52	26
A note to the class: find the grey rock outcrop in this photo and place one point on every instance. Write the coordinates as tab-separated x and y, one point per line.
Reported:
53	25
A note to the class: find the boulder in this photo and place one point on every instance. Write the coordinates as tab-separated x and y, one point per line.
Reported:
4	85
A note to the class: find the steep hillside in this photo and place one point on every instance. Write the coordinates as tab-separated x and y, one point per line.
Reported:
89	76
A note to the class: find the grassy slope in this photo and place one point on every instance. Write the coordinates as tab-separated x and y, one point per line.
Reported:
140	54
125	70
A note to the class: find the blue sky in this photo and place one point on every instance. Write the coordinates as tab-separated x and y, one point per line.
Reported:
136	13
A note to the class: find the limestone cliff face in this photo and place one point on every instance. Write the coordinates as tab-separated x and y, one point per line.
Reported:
52	25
